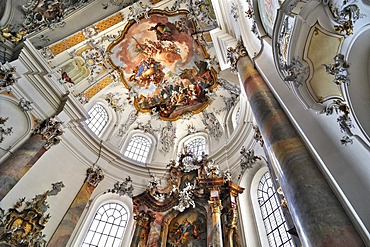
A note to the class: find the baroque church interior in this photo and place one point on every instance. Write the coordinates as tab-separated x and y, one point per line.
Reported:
184	123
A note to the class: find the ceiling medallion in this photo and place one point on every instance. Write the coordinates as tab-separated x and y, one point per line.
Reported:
159	59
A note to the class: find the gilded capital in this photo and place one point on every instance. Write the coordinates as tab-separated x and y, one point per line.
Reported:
143	219
215	205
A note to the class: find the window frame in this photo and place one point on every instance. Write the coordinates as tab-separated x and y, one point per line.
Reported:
183	142
145	135
266	218
98	104
88	215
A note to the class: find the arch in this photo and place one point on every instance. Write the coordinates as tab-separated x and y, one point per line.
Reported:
107	226
253	230
82	230
139	147
196	143
98	119
272	214
21	122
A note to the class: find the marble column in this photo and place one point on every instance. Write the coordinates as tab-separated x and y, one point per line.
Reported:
65	228
23	158
142	227
216	232
317	214
230	215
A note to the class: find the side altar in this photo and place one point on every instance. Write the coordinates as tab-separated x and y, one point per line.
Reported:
198	207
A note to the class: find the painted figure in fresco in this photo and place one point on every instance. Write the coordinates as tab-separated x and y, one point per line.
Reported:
184	231
147	72
163	31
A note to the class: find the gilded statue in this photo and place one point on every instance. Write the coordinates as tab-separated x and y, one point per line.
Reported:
6	33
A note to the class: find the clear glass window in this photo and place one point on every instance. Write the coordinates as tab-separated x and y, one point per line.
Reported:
138	148
107	227
98	119
272	213
197	146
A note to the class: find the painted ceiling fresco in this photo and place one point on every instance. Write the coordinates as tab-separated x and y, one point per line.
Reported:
163	65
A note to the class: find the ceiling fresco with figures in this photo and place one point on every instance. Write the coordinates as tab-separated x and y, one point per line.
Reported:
152	65
160	61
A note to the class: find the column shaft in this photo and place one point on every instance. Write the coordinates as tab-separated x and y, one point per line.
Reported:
19	162
64	231
317	213
142	228
216	233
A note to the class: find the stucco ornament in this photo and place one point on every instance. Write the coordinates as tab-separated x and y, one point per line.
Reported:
234	54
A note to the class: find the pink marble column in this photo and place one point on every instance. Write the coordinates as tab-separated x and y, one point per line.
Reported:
19	162
12	169
64	231
317	214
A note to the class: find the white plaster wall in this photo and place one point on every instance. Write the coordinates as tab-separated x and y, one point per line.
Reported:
20	121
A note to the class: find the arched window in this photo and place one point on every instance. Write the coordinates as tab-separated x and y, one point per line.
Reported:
98	119
272	213
196	146
107	227
138	148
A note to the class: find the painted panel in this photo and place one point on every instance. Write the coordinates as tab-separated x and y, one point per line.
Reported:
160	61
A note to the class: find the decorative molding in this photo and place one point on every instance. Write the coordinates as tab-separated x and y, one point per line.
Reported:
234	11
7	78
94	175
168	136
185	198
41	14
344	121
113	101
257	135
250	15
123	188
216	206
232	88
25	105
81	97
90	31
146	128
129	121
295	73
138	10
199	11
50	130
284	40
234	54
7	32
339	69
191	129
345	15
4	131
248	159
47	53
213	126
22	224
122	3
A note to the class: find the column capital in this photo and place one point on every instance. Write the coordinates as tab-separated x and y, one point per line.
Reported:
144	218
216	205
234	54
50	129
94	175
